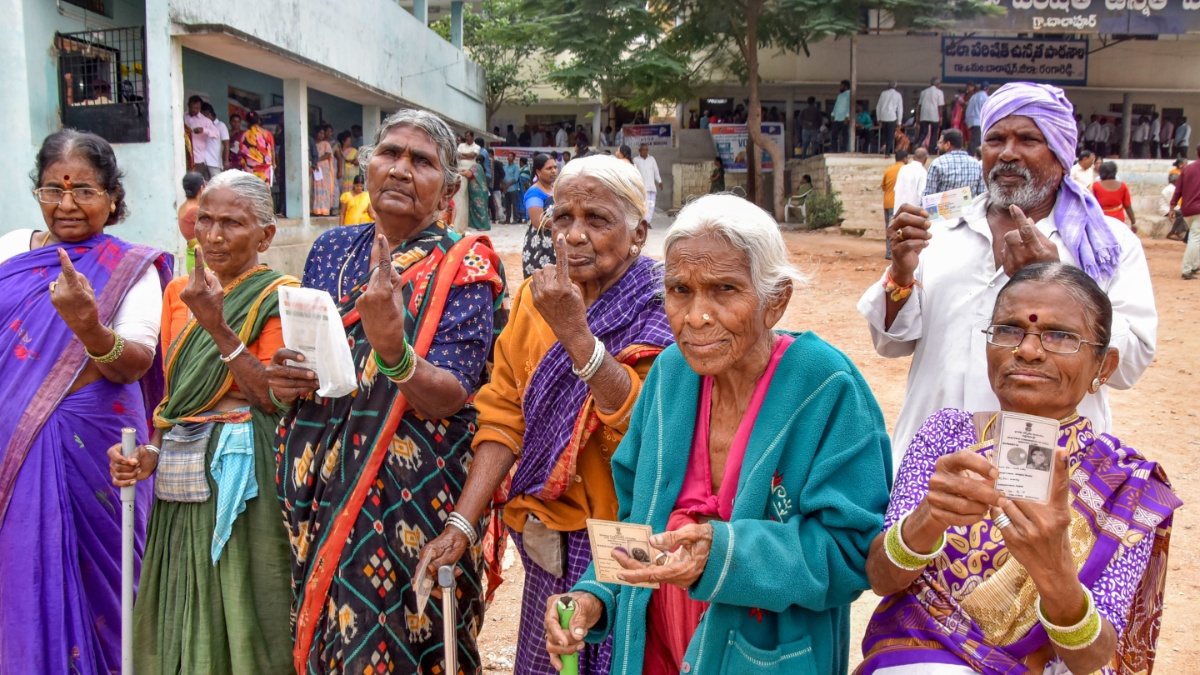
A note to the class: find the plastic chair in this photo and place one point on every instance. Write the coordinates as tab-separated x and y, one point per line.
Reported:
798	202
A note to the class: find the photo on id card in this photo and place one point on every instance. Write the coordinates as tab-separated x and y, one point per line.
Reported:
1024	456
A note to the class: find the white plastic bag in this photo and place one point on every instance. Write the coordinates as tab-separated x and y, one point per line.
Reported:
313	327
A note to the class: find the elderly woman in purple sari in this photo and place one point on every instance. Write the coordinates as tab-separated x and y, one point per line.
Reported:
569	366
81	312
978	582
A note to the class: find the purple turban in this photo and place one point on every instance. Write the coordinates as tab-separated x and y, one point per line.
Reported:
1077	214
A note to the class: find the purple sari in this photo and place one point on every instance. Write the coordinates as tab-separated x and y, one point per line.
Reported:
1122	503
60	597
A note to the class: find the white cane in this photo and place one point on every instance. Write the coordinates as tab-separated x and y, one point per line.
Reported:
449	618
128	498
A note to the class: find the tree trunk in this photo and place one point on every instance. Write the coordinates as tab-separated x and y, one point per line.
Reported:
754	121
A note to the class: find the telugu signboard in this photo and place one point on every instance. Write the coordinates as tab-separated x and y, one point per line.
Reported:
653	135
1113	17
1007	60
730	142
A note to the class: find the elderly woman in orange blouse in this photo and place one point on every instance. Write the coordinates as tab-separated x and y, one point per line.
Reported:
582	336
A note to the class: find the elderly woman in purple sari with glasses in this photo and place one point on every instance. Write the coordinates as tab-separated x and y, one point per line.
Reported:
81	312
976	582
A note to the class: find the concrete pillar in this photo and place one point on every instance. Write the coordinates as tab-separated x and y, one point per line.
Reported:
370	122
456	23
421	11
298	172
154	171
852	143
789	125
15	110
1126	123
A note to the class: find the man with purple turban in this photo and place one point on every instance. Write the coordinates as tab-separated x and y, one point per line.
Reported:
945	275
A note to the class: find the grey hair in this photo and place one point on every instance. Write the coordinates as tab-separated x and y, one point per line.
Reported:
250	190
435	127
1082	289
618	177
748	229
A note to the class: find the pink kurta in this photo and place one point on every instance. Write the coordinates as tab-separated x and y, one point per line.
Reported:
672	616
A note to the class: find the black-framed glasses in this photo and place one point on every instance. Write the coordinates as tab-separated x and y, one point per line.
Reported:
1056	341
84	196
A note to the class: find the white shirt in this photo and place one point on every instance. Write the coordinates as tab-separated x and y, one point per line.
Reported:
910	184
1084	177
1164	199
1141	132
201	141
890	107
1092	132
560	138
212	151
649	170
941	322
930	103
138	317
538	140
620	139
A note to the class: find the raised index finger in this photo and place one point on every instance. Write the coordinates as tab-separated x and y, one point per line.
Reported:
560	257
68	269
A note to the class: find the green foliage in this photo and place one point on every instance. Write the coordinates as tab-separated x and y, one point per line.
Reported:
496	38
619	51
823	209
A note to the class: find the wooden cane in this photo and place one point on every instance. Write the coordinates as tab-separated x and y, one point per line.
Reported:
128	500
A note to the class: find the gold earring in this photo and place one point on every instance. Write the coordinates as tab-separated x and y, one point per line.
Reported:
634	250
112	208
1095	385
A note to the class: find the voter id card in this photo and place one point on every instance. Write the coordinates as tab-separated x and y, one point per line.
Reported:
949	205
1024	454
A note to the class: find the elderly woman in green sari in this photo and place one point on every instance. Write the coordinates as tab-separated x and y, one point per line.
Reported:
215	591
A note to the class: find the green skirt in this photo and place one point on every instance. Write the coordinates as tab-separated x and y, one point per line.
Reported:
196	618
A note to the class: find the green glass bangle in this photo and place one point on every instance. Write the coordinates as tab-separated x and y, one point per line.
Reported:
278	404
904	557
395	371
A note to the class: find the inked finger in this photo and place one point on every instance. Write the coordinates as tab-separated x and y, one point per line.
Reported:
283	354
560	257
68	268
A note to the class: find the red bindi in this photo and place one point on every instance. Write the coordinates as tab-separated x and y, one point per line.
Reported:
1033	318
67	180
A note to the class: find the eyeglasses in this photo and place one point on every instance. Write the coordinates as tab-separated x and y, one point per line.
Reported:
1056	341
83	196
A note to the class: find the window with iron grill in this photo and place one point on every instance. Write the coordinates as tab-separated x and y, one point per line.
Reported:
102	83
97	6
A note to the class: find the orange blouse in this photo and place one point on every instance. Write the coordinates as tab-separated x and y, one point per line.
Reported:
519	349
176	315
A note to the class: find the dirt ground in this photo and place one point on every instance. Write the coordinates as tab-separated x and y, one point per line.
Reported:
1152	417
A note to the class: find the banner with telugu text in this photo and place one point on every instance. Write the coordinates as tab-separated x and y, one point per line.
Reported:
998	60
730	143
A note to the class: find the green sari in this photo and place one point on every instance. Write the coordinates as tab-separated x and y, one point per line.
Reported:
477	199
192	616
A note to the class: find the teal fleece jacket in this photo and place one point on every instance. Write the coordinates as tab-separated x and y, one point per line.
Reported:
811	496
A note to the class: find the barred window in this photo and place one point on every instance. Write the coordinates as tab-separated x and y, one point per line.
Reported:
102	83
97	6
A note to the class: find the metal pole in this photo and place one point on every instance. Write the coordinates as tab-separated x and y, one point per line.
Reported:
851	116
128	500
449	618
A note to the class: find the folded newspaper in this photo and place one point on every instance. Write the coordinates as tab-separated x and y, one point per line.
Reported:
313	327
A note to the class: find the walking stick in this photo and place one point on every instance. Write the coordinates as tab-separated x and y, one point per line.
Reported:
128	498
566	610
449	618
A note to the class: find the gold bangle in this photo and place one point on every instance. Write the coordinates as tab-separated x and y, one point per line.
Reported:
113	354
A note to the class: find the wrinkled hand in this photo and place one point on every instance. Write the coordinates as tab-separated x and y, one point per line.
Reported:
909	234
288	383
557	298
1039	537
961	489
127	471
448	548
558	641
381	304
204	296
682	567
73	297
1025	245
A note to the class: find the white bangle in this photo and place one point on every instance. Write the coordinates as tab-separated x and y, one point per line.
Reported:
590	369
237	352
456	520
152	448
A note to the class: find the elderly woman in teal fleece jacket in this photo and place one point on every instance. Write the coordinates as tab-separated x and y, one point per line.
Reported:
761	459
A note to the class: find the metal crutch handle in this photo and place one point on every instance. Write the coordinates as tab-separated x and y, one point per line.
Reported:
449	618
